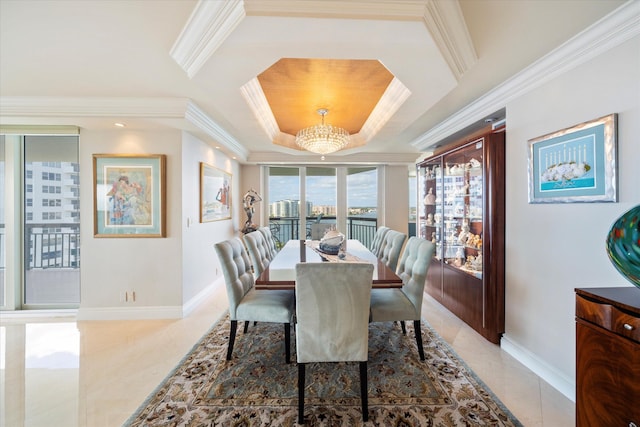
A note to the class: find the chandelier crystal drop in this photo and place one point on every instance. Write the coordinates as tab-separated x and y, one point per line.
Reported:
322	138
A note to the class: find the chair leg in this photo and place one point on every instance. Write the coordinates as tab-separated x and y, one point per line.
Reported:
363	391
246	327
287	342
417	329
232	338
300	393
404	328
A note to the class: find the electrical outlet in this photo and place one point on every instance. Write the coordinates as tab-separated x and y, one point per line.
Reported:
217	272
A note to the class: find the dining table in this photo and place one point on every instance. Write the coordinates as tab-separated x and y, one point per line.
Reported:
281	272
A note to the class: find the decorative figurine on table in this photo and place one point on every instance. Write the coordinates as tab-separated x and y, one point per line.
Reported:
332	242
250	198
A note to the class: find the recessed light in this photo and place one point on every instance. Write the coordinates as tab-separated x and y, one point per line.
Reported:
120	125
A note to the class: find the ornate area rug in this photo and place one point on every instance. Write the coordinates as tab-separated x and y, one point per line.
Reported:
256	388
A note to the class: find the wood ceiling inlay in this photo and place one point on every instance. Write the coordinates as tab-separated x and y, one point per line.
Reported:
350	89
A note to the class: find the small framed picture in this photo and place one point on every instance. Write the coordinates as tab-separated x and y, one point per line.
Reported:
576	164
215	194
129	195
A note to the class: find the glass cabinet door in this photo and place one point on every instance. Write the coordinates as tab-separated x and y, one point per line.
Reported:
430	198
463	208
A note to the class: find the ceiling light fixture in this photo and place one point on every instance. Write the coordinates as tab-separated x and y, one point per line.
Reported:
322	138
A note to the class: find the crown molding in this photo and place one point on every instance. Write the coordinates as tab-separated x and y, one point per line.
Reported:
614	29
278	158
92	107
447	26
369	9
211	22
98	107
392	99
257	102
202	121
209	25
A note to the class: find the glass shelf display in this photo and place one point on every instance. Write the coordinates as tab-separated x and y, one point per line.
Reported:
452	210
461	187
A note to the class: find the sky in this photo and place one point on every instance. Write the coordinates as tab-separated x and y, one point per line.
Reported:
321	190
361	192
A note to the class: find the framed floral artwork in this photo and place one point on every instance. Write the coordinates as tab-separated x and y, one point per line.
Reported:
576	164
129	195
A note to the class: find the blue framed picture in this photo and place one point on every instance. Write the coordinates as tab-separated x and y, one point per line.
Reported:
576	164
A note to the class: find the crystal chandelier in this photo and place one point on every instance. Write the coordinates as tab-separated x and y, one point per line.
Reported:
322	139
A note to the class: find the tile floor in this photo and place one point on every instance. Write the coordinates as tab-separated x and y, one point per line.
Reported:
62	373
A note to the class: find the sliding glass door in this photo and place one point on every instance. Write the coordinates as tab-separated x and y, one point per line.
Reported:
39	221
51	221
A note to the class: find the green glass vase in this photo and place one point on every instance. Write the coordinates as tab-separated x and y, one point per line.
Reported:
623	245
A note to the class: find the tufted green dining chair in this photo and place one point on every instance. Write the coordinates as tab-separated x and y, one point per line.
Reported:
271	241
400	304
376	243
259	251
247	303
332	311
390	248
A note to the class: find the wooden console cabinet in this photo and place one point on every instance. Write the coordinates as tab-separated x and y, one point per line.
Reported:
608	357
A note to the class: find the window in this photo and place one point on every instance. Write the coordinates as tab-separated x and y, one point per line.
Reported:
321	197
362	203
284	203
321	191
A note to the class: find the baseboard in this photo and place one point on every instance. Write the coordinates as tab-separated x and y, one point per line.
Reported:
22	316
130	313
151	312
556	379
194	302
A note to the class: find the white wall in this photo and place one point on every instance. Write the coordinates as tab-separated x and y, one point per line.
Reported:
201	267
152	267
169	275
553	248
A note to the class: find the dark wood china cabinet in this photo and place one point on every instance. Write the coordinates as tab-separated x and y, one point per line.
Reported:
461	190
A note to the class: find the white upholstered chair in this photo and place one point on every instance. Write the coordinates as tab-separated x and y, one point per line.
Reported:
332	311
247	303
259	251
401	304
390	248
271	241
376	243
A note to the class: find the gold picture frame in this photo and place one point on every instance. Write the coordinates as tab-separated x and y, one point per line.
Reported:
129	195
215	193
